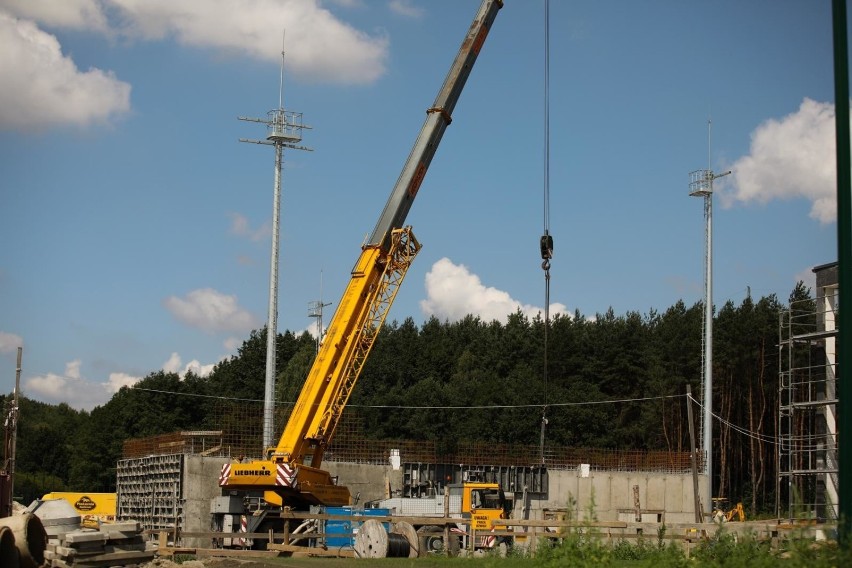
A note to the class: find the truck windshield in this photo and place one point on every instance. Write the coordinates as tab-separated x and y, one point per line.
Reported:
486	499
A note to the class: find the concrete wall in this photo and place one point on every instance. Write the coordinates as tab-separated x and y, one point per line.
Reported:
605	492
201	485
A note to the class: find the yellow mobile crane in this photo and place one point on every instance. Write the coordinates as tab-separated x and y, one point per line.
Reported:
290	474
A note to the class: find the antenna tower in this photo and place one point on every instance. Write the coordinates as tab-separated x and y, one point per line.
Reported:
284	130
315	311
701	185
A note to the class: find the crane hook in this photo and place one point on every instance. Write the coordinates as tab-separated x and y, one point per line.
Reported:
546	245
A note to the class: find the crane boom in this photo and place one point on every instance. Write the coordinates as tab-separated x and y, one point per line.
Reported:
290	473
438	117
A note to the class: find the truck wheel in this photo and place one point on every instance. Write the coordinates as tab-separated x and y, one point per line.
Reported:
431	539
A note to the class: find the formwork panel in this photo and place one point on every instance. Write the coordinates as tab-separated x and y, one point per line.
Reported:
149	490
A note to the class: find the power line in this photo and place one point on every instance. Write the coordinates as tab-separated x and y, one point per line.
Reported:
744	431
447	407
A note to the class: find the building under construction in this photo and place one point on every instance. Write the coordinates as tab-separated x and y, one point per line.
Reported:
168	482
807	485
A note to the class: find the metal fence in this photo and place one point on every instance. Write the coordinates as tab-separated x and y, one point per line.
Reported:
242	434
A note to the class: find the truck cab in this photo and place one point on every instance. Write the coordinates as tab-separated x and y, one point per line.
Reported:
482	502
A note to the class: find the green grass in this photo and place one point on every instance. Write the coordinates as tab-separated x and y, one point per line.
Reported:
583	549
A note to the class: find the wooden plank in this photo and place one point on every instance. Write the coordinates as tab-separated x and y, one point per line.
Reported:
171	551
208	552
336	552
558	524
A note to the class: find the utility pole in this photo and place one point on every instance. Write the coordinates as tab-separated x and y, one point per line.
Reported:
284	130
701	185
7	475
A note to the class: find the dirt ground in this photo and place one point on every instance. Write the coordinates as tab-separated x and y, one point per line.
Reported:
207	563
275	562
230	563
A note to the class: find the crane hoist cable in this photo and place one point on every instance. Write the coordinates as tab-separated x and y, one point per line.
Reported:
546	241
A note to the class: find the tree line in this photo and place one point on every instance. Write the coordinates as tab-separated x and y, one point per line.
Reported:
612	381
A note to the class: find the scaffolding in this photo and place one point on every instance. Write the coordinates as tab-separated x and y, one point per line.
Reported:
807	482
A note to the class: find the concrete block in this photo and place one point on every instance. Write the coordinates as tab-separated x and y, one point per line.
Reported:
87	537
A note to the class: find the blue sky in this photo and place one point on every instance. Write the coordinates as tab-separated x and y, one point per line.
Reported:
135	226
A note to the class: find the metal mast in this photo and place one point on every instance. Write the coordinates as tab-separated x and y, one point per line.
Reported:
701	185
315	309
284	130
10	444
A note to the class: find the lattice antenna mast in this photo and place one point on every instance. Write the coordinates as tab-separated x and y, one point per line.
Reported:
701	185
284	130
315	309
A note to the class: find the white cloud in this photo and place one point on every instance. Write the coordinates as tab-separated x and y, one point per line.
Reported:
72	14
198	369
173	365
50	385
41	87
118	380
9	342
319	46
348	3
313	328
232	343
452	293
74	389
210	311
808	277
405	8
240	226
72	369
790	158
